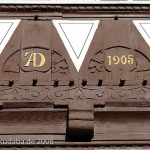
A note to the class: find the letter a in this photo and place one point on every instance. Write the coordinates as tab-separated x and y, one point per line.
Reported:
33	58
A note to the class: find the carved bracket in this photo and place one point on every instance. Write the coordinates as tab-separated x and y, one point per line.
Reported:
80	121
81	114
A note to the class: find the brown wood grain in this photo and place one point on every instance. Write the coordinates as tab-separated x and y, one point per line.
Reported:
33	121
41	32
122	124
37	42
121	29
25	110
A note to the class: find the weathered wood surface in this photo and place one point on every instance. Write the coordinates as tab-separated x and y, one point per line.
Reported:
33	121
59	69
122	124
30	96
62	66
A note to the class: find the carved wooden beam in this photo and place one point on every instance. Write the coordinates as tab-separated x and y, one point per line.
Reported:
80	115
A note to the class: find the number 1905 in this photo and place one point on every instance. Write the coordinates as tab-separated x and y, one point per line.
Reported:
129	59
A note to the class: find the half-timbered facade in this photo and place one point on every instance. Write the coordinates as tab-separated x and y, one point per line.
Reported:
74	76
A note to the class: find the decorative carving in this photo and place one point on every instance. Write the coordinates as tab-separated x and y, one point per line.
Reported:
119	63
25	93
59	64
68	94
120	58
131	93
143	62
12	63
36	59
96	64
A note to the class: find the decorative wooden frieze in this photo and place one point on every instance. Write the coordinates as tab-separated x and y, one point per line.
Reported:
65	95
40	72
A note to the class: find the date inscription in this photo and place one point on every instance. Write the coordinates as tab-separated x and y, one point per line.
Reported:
116	60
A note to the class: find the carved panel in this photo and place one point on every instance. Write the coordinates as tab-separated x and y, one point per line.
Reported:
36	52
116	56
12	59
119	58
143	62
35	59
66	95
59	66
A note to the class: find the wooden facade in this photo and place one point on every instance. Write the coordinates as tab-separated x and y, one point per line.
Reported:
43	98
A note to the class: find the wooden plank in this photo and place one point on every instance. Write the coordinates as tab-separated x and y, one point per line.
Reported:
84	145
122	109
49	137
119	125
27	104
25	121
102	143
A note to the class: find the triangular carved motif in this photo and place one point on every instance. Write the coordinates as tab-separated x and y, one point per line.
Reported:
76	36
143	27
7	28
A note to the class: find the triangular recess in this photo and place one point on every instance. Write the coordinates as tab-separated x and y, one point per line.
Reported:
76	36
7	28
143	27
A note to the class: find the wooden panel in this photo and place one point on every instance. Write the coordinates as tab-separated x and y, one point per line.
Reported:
122	124
36	44
114	39
36	33
25	121
116	33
